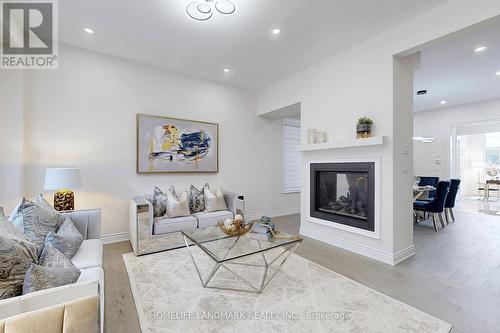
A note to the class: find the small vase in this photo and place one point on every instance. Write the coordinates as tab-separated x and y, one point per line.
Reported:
363	131
311	136
322	137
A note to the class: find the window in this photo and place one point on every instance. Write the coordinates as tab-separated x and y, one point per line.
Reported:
291	157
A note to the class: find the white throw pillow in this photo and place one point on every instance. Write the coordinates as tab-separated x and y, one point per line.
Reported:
177	205
214	200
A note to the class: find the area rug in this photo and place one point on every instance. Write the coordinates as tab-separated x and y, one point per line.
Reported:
302	297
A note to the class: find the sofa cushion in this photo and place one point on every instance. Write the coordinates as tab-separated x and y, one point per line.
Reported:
89	254
91	274
213	218
176	224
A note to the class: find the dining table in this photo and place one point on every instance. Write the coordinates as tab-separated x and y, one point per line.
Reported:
421	192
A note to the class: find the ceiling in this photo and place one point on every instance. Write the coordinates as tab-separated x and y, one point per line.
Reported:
159	32
452	71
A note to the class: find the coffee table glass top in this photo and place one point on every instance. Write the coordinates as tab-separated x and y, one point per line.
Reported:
222	247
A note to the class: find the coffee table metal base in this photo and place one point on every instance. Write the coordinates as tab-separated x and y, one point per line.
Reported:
268	272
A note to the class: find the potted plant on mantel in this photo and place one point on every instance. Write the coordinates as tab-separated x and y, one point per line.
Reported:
364	127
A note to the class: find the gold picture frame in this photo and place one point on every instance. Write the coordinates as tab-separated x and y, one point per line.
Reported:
175	145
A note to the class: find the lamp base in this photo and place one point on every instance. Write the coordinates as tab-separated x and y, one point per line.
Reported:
64	200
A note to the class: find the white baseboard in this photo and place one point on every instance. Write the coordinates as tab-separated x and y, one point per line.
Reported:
272	213
115	238
382	256
404	254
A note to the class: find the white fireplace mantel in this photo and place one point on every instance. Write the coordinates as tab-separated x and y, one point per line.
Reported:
371	141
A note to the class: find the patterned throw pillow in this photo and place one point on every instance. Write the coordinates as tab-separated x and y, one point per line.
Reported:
38	277
196	199
214	200
17	253
67	244
177	205
159	201
52	257
42	202
34	221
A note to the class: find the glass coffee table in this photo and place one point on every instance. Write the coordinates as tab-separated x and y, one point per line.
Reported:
246	261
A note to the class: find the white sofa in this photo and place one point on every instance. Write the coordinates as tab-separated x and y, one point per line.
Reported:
88	259
149	234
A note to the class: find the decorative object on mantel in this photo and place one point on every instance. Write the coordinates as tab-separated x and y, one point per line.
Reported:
61	180
364	127
236	226
321	137
311	136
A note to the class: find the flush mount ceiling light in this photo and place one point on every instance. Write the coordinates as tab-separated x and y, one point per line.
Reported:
276	31
480	49
443	102
204	10
88	30
226	70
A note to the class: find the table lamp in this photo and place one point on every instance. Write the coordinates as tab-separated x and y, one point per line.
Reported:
62	180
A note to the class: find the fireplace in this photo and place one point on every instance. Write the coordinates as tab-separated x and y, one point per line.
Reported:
344	193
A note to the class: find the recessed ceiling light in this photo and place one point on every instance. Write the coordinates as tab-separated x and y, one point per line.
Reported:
421	92
276	31
480	49
226	70
88	30
443	102
498	73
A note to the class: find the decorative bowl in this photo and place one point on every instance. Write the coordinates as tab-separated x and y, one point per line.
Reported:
238	232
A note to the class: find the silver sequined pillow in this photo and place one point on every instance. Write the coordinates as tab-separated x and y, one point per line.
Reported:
159	201
38	277
17	253
34	221
196	199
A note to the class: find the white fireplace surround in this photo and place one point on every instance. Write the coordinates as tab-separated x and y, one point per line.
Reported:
372	234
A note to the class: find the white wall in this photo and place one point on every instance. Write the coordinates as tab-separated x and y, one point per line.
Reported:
437	124
83	115
358	82
11	138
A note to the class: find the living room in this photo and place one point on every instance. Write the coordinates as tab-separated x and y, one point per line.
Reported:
267	103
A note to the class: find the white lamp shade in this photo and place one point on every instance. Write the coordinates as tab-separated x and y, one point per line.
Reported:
62	178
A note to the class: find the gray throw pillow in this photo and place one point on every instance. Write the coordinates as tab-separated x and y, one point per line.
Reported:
52	257
196	199
68	245
16	255
38	277
159	201
34	221
43	203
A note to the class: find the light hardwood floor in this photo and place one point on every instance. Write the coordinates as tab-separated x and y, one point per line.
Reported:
455	274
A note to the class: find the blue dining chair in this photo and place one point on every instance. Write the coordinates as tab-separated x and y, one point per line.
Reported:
449	204
428	181
436	205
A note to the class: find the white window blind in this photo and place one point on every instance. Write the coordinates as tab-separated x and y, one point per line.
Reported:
291	157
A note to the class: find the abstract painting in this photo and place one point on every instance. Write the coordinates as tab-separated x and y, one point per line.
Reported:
176	145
